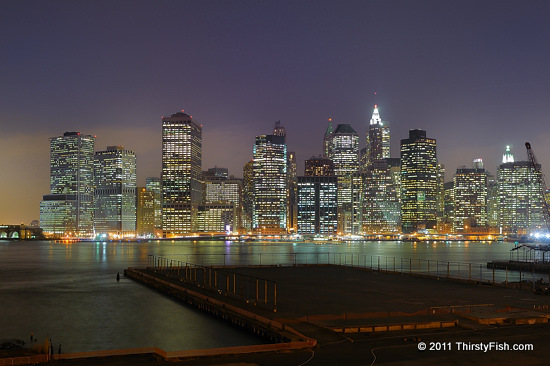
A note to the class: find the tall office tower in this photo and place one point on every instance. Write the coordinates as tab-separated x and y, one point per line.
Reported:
153	184
248	195
181	173
269	209
145	212
326	138
115	192
317	205
381	208
68	209
448	207
222	195
319	167
378	139
419	183
292	191
520	199
440	193
492	201
344	153
470	197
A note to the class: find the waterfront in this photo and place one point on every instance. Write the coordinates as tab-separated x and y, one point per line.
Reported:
69	292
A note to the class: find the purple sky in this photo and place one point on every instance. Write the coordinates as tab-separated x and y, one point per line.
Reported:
474	74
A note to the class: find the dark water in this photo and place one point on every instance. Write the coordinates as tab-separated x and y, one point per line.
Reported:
69	292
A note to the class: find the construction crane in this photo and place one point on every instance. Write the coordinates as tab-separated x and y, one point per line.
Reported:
542	184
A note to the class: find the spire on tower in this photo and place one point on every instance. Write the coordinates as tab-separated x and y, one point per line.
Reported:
375	119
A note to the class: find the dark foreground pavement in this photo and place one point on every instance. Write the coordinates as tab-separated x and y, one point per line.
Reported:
328	290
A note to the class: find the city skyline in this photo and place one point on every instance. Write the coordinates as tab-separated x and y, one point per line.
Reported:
473	80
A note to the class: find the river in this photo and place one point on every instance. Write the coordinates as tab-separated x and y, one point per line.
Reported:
69	292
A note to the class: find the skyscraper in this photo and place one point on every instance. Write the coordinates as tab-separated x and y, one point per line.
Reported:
381	208
519	196
68	209
248	195
419	182
326	138
145	212
115	192
344	153
269	209
153	185
470	197
378	139
181	173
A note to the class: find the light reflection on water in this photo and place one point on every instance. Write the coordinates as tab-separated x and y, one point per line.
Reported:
69	292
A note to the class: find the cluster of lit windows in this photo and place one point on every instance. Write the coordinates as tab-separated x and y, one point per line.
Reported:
317	205
381	208
419	183
181	172
519	198
470	198
269	209
71	173
115	192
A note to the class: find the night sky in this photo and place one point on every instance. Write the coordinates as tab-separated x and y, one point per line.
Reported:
474	74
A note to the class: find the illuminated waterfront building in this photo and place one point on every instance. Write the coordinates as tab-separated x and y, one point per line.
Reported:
217	217
181	173
145	212
115	192
344	153
248	195
381	207
68	209
292	192
378	139
153	185
470	197
519	196
270	200
317	205
221	190
419	182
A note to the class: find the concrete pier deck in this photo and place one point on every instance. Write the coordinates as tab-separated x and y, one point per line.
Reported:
330	304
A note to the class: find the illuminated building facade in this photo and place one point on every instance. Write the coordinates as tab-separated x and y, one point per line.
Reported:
115	192
153	185
381	207
519	197
248	195
181	173
470	198
378	139
217	217
319	167
269	209
224	191
419	182
326	138
292	192
344	153
145	212
68	209
317	205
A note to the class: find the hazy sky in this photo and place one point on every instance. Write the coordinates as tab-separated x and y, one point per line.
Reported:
474	74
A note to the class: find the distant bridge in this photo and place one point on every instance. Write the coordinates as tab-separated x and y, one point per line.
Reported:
18	232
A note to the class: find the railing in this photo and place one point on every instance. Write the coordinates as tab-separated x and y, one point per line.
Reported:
250	289
429	267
